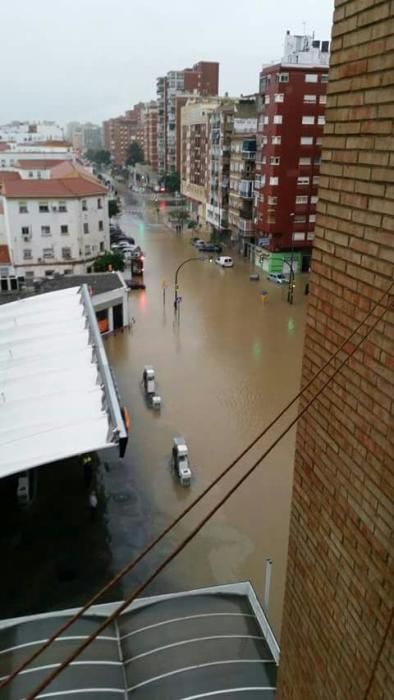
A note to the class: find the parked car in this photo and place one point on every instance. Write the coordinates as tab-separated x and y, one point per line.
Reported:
194	239
212	248
224	261
199	244
278	277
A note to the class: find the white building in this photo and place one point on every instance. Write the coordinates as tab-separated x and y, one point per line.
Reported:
24	132
19	156
56	224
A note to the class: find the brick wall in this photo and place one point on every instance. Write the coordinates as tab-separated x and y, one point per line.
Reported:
340	579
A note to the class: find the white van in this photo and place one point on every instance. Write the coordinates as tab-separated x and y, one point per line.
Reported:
224	261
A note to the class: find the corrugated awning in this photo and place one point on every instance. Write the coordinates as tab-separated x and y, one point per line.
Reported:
57	397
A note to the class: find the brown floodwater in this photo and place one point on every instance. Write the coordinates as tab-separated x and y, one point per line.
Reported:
224	367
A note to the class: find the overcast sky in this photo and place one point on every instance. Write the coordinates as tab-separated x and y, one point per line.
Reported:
92	59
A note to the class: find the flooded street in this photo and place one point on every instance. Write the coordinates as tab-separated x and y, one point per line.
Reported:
224	368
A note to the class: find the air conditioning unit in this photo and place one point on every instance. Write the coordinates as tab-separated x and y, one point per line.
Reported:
26	236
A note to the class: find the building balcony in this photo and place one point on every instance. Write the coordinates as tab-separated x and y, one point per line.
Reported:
246	226
246	189
248	155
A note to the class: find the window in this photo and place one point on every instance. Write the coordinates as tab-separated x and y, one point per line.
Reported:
43	207
27	254
266	99
302	200
283	77
274	181
321	120
45	230
84	205
324	78
323	99
66	253
101	226
86	228
264	160
275	160
298	236
310	236
271	219
48	253
278	119
87	249
311	77
276	140
64	230
314	199
23	208
25	230
62	206
266	120
318	141
306	141
312	218
308	120
316	180
101	247
265	140
99	203
300	219
310	99
305	161
302	181
272	200
31	174
316	161
279	97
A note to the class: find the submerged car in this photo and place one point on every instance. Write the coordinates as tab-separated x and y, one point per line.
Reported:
224	261
278	277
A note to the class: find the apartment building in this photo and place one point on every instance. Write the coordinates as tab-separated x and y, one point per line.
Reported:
337	634
53	224
150	136
30	132
85	136
120	132
194	154
219	151
290	130
242	171
202	79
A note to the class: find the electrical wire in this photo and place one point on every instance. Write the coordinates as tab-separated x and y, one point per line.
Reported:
378	655
126	569
51	676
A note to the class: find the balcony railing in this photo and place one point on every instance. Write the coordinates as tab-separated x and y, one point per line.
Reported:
246	226
248	155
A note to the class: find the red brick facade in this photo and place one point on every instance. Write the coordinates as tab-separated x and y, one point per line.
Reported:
340	580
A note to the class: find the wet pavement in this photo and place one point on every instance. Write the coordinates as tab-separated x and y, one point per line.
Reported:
224	366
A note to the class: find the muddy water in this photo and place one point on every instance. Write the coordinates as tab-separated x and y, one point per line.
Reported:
224	368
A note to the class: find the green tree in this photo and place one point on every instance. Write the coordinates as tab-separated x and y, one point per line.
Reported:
100	157
179	215
108	260
172	182
113	208
135	154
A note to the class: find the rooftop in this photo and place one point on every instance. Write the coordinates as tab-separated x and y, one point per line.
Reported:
203	643
57	396
79	186
38	163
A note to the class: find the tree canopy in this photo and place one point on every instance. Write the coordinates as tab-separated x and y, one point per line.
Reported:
100	157
172	182
113	208
109	261
135	154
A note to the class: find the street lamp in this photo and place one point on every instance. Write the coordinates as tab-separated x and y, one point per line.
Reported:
176	287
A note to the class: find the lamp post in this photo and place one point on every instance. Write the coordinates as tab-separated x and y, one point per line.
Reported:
176	287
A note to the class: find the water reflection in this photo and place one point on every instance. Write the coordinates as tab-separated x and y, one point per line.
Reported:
226	364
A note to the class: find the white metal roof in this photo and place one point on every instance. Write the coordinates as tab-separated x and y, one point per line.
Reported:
56	394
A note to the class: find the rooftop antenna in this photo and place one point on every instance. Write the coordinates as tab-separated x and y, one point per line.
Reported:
304	25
